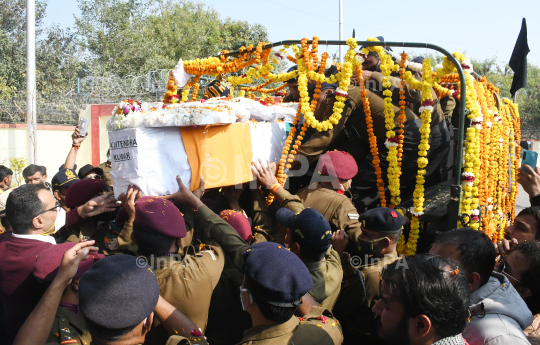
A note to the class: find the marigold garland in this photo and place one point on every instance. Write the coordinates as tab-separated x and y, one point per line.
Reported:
489	176
402	103
286	161
371	136
171	96
470	177
341	92
425	129
392	141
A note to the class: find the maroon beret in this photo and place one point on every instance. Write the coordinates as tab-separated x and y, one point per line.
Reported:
82	191
160	215
339	164
122	217
239	222
48	262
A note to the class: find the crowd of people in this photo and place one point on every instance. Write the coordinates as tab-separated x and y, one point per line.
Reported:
317	266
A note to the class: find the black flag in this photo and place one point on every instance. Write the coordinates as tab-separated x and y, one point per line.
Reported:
518	61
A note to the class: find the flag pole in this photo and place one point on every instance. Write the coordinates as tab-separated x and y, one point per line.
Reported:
31	125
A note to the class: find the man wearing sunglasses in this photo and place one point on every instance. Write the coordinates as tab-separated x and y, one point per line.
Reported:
90	172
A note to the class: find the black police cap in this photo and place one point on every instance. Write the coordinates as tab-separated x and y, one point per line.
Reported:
117	292
275	275
382	219
310	226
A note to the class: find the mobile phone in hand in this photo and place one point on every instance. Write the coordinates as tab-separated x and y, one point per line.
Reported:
529	158
83	126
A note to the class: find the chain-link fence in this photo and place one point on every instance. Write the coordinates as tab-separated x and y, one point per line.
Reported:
54	110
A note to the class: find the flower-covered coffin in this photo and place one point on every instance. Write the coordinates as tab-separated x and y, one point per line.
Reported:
133	114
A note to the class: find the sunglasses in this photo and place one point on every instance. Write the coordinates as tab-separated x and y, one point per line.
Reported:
55	208
503	267
93	177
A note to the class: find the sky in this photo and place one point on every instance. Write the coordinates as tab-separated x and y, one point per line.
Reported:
480	28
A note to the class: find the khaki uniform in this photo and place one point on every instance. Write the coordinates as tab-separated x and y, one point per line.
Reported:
350	135
353	113
448	104
337	208
261	219
327	273
226	319
188	284
219	230
353	307
185	242
307	330
107	172
69	328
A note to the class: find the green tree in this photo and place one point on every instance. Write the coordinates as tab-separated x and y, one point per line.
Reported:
58	62
13	39
17	164
132	37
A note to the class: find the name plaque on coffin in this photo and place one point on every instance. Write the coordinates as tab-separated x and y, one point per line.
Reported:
152	157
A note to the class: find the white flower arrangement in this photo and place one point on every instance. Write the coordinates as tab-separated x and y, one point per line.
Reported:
329	63
416	214
389	144
424	108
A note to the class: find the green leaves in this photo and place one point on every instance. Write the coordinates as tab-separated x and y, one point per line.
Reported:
133	37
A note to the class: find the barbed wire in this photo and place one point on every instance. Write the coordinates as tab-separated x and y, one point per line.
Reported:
51	109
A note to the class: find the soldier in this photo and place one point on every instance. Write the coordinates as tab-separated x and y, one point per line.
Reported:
292	84
274	287
309	237
122	310
188	282
351	135
107	170
226	319
261	227
380	231
61	181
119	299
68	326
331	195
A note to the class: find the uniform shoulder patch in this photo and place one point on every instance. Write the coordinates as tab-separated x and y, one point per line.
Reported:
353	216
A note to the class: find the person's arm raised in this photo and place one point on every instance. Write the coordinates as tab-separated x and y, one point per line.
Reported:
184	197
37	326
76	144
